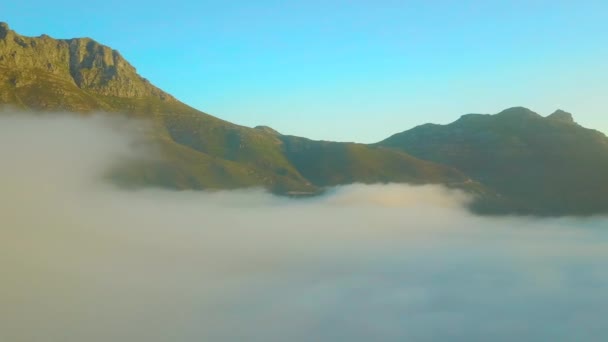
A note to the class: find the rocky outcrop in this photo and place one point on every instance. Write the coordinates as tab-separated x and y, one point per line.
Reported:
562	116
84	62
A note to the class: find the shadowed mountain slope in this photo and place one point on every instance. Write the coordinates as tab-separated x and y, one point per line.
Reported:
540	165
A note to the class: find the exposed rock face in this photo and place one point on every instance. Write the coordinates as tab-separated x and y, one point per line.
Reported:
4	29
84	62
560	115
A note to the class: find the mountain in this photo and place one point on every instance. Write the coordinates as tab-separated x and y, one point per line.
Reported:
328	163
515	161
199	151
539	165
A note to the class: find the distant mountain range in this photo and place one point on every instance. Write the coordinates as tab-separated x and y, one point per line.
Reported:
542	165
514	162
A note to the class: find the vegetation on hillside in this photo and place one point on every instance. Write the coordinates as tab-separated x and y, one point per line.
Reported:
540	165
199	151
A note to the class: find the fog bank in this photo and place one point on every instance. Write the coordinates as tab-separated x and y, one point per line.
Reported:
82	260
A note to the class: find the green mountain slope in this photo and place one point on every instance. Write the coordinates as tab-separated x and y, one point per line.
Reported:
516	161
199	151
332	163
540	165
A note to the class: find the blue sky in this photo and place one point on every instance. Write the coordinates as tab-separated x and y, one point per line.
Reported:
350	70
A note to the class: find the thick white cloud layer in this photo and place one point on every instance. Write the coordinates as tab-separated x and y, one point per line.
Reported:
84	261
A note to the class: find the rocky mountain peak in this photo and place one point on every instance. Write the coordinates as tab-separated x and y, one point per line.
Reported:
518	112
560	115
89	65
4	30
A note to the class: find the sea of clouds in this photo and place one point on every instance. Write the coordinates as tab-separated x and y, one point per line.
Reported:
82	260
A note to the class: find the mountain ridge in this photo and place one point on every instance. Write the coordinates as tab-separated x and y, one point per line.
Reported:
90	65
515	161
543	165
200	151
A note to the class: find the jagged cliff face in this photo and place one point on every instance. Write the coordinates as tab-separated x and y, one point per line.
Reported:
81	63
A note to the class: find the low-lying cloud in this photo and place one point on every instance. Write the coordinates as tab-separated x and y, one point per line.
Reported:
84	261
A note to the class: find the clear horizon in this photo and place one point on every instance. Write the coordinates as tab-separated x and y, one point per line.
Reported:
351	71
